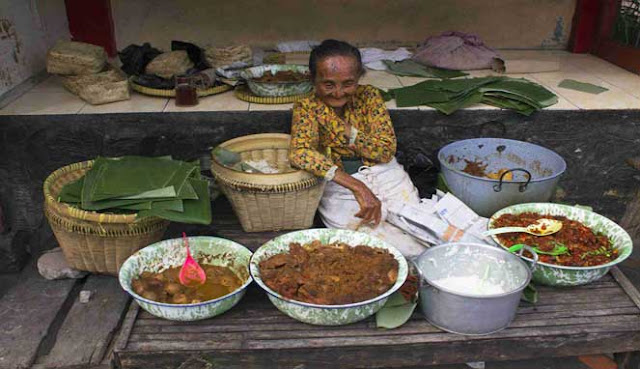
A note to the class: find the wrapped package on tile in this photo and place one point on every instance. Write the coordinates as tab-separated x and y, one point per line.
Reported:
167	65
105	92
234	56
72	58
76	83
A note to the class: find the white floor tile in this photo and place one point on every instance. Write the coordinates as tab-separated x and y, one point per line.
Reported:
610	73
222	102
52	83
36	103
136	104
615	98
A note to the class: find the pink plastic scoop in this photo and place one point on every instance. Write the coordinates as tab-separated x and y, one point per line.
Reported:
191	273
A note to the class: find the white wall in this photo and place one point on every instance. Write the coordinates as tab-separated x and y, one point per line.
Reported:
28	28
502	24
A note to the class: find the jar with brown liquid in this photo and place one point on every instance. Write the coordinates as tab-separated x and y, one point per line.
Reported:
186	93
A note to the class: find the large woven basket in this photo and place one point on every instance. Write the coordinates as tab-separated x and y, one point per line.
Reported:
90	241
268	202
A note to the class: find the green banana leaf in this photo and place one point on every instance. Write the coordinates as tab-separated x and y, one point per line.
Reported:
524	88
438	91
458	103
175	205
409	67
71	193
195	211
582	86
502	103
510	96
135	175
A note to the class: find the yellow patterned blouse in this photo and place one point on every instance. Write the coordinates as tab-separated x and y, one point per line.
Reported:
318	139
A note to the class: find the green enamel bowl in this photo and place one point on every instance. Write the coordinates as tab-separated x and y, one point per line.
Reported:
558	275
276	88
162	255
325	314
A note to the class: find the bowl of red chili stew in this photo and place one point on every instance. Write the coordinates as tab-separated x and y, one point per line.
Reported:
593	243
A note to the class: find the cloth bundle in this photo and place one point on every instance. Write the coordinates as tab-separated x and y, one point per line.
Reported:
456	50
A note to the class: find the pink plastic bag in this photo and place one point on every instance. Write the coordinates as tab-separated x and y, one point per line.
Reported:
455	50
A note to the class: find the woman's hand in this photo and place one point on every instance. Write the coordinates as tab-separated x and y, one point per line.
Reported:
370	205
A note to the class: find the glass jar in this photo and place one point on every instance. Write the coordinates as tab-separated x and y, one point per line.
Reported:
186	92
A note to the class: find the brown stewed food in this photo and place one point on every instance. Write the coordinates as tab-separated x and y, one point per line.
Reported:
165	286
330	274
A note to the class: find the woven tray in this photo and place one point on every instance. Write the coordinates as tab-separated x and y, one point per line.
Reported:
243	93
172	93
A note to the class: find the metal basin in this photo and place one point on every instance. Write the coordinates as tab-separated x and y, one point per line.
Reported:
470	309
536	171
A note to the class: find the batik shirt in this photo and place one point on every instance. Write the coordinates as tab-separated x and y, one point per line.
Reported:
319	140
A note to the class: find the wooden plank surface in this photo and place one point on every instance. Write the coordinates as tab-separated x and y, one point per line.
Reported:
88	328
597	318
27	311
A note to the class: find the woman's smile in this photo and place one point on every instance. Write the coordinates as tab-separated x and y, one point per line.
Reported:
337	80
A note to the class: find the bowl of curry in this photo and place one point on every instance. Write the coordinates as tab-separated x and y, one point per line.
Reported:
150	276
585	248
328	276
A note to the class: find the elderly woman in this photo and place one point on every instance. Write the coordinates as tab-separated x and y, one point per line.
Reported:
344	134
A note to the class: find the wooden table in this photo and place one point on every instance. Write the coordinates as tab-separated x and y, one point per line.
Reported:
602	317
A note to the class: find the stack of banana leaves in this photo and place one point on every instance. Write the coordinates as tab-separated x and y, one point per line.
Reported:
162	187
449	95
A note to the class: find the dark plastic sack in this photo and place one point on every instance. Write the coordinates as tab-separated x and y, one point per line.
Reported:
135	58
196	54
457	51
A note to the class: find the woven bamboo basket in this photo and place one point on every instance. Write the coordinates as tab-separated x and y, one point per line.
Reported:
91	241
268	202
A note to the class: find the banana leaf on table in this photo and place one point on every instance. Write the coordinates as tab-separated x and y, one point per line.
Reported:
134	175
450	95
195	211
409	67
128	182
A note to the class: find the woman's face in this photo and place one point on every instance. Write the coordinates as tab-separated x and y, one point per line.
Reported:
336	80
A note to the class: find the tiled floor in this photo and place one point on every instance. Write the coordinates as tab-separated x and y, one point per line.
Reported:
49	97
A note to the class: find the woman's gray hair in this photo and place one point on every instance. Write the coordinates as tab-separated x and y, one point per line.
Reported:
330	48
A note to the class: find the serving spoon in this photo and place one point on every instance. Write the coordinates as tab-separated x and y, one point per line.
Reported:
191	272
541	227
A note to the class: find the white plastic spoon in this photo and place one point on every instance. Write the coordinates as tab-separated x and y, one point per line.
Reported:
542	227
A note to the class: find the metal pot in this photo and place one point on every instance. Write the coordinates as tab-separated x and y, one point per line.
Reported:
535	170
470	312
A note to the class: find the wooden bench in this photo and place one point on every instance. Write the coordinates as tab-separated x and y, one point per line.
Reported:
45	326
602	317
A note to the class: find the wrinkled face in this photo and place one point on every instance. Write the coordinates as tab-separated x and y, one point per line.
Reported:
336	80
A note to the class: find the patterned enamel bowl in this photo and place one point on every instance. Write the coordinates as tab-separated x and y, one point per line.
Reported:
558	275
325	314
162	255
276	88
